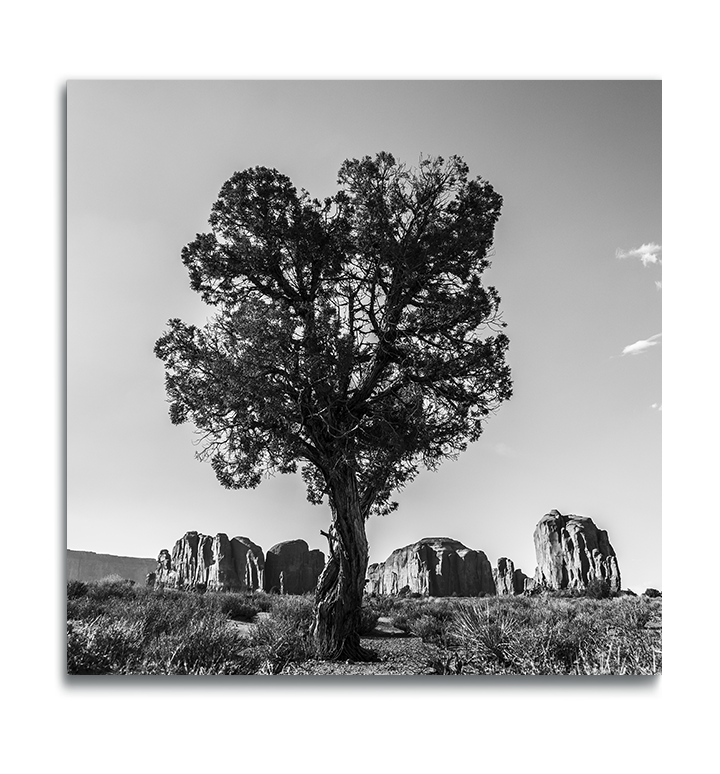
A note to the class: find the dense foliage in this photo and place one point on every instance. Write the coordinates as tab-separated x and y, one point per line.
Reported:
356	328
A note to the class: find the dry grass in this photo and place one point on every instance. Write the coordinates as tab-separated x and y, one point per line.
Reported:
117	628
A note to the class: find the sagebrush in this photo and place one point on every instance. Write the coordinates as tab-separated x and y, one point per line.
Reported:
115	627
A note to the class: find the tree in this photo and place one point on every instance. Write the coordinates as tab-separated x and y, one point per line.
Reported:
353	338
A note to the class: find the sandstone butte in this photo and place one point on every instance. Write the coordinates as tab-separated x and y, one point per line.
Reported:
571	551
437	567
223	564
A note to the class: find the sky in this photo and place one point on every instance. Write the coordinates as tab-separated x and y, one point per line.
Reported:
577	261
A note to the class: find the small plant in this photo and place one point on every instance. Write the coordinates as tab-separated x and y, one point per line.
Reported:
485	633
598	588
445	663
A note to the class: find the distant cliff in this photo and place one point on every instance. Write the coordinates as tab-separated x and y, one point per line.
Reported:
89	566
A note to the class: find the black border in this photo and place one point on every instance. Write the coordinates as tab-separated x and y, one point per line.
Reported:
299	687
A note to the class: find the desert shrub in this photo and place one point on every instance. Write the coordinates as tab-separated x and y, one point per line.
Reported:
369	616
444	662
433	622
207	645
157	633
598	588
102	646
405	610
166	613
113	586
632	612
403	618
563	643
382	603
83	609
652	593
237	606
263	600
487	633
428	627
284	636
76	588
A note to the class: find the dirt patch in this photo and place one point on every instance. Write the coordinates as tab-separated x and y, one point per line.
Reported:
397	655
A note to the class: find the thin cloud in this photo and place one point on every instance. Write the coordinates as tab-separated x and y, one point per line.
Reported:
657	406
648	253
658	285
642	346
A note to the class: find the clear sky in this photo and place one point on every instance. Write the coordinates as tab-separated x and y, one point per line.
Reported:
577	262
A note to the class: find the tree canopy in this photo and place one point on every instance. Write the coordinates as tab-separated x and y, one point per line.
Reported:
357	327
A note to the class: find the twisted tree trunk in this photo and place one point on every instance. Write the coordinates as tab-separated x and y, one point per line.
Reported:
339	593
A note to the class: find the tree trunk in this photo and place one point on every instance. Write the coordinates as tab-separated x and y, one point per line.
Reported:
339	593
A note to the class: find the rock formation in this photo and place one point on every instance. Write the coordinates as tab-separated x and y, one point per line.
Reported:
571	551
508	580
88	566
214	563
438	567
291	568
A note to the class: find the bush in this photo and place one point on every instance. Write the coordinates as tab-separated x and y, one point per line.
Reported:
236	606
381	602
113	586
207	645
76	588
369	617
428	628
102	646
284	637
652	593
598	588
632	612
486	633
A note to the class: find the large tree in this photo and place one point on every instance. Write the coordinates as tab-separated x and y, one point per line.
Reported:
353	337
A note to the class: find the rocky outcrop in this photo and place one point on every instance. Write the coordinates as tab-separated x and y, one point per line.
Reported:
571	551
508	580
438	567
88	566
212	563
249	563
292	568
